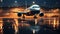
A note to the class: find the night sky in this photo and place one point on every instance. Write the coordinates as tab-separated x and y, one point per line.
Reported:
42	3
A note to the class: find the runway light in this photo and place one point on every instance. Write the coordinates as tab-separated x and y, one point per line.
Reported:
33	31
56	10
16	26
33	2
54	24
15	1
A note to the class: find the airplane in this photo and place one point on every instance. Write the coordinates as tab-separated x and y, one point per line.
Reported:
34	9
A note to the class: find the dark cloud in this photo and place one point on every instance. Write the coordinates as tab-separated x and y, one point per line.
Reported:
42	3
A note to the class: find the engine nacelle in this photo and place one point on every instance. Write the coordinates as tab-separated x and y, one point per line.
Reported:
41	14
19	14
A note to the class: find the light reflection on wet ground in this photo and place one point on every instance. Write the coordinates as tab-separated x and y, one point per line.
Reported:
27	27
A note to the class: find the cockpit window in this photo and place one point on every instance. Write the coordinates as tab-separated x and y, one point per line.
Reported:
35	7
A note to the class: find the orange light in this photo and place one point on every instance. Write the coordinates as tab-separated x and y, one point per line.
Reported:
55	24
17	9
1	25
56	10
16	26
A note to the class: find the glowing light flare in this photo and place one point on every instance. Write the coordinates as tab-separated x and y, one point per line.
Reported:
17	9
54	24
56	10
29	17
16	25
35	21
1	0
16	30
33	31
33	2
13	15
16	22
50	14
1	25
7	14
57	23
49	21
15	1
